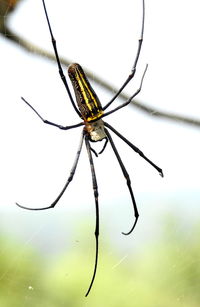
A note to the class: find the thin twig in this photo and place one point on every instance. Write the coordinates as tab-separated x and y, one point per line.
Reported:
23	43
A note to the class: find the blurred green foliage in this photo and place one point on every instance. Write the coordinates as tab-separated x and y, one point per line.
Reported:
167	273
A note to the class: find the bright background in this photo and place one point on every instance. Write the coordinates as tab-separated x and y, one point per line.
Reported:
36	159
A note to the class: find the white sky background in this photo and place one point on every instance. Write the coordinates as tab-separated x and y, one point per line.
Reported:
102	36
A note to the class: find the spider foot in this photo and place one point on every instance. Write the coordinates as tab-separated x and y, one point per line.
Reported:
94	152
28	208
129	232
161	172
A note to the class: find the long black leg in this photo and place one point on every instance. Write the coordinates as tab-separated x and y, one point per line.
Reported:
134	148
58	62
130	99
51	123
133	70
96	194
128	181
68	180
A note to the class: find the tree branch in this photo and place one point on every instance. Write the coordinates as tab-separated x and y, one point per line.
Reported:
23	43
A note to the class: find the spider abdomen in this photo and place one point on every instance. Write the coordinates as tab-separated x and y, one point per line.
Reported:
87	100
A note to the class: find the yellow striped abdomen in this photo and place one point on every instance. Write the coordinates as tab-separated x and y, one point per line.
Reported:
87	100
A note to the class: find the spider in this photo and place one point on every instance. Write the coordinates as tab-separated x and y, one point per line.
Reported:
90	110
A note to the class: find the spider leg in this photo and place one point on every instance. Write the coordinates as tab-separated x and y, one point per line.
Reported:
96	194
102	150
51	123
133	70
104	146
128	181
94	151
130	99
67	183
136	149
62	76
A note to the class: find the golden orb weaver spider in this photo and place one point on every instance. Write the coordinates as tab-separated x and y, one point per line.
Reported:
95	129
